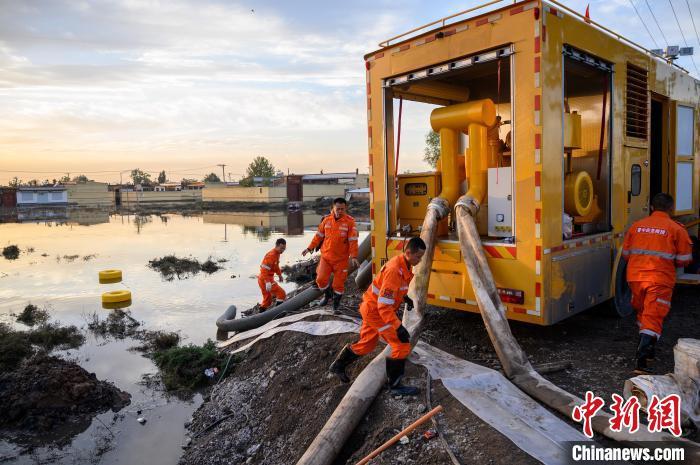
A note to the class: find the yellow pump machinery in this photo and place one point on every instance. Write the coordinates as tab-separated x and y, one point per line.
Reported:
553	130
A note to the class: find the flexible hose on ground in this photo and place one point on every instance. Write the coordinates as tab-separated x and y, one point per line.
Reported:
228	321
351	409
515	363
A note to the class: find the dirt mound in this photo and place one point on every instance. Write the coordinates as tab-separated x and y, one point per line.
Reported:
279	397
301	272
51	397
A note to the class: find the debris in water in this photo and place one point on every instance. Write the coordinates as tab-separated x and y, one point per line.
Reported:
430	434
141	420
211	372
11	252
184	367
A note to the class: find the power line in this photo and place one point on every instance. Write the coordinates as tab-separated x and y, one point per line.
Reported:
691	18
657	23
678	22
683	35
644	24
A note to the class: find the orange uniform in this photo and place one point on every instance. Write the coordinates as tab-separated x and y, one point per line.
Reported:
339	237
270	267
379	305
653	248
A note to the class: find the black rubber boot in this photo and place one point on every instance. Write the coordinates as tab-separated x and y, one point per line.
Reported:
341	362
327	296
336	302
394	372
645	353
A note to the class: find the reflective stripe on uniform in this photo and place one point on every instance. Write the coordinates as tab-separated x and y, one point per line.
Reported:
320	234
653	253
375	289
384	328
682	258
663	301
403	288
385	300
266	267
650	332
352	239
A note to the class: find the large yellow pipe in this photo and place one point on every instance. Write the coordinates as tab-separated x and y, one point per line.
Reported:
473	117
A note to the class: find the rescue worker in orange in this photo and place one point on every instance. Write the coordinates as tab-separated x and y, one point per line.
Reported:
653	248
270	267
337	239
379	305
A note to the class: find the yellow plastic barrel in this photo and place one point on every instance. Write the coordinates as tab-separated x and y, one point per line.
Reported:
116	305
110	276
578	193
121	295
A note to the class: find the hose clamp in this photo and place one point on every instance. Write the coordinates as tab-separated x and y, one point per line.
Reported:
470	203
441	207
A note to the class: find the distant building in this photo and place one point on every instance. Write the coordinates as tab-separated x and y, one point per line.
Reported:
168	186
8	197
355	179
358	194
194	186
29	196
89	194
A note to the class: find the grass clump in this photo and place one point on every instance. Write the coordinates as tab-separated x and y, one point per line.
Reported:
51	336
183	367
14	347
210	266
11	252
32	315
118	324
170	266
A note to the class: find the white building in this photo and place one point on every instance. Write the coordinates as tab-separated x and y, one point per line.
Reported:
45	195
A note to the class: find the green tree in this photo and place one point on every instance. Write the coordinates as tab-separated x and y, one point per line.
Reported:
162	177
261	167
211	177
82	178
15	182
140	177
431	153
65	178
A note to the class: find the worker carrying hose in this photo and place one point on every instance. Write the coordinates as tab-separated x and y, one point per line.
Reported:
653	248
379	319
337	239
270	267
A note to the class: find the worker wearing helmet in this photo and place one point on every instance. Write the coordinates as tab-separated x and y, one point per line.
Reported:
379	319
337	239
653	248
270	267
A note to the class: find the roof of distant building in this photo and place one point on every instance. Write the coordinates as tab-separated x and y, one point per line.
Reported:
327	176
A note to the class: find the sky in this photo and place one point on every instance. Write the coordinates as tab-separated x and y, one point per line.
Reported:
100	87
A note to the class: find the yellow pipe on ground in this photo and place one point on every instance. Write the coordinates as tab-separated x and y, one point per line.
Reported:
474	117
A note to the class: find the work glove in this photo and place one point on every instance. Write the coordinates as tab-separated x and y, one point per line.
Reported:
402	334
268	286
354	262
409	302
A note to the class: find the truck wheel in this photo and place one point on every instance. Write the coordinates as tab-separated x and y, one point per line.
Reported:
622	302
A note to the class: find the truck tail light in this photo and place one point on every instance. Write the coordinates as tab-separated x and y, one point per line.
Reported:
511	296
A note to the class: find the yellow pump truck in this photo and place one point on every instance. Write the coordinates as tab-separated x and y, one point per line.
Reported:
564	130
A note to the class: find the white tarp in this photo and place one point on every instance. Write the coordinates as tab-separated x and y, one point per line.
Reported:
484	391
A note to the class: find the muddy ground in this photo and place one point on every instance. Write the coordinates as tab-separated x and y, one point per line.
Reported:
276	400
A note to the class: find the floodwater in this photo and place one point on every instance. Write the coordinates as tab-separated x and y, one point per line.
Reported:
52	276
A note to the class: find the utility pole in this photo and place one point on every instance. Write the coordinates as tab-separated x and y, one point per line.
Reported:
223	174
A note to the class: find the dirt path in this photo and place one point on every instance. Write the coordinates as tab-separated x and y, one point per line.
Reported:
281	395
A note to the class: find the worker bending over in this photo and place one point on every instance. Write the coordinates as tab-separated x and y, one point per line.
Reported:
337	239
653	248
378	309
270	267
